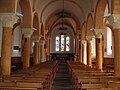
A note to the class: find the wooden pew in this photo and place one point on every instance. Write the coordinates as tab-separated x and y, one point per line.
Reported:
15	86
36	77
104	89
114	84
94	79
41	78
85	77
95	85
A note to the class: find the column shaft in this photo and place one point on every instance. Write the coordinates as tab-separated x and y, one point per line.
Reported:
117	51
48	49
89	53
99	51
6	51
84	56
22	45
26	61
43	53
42	50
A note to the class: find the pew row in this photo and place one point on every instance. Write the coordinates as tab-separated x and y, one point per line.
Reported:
85	77
38	77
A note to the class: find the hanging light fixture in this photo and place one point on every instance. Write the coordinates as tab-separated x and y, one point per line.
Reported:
62	15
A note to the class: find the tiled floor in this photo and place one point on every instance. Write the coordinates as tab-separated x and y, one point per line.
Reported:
62	80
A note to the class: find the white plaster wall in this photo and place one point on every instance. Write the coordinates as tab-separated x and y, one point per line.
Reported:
16	41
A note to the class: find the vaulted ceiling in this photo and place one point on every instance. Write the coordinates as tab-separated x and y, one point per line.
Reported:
78	9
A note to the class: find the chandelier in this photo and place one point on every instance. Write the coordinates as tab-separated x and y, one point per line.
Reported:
62	15
62	27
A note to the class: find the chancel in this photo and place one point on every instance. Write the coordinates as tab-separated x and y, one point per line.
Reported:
59	44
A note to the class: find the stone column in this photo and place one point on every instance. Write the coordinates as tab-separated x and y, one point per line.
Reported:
22	48
84	52
48	48
117	51
78	51
45	53
8	20
89	51
27	32
77	47
114	20
80	45
36	48
42	42
99	51
75	58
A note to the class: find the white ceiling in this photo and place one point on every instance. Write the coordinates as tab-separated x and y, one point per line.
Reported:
79	9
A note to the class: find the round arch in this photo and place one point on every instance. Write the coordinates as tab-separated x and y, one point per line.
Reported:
66	24
27	17
100	9
36	24
89	25
62	35
70	1
83	32
54	19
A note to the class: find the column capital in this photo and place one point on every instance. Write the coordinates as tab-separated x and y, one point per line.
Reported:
89	41
89	38
42	42
114	21
8	19
97	31
84	42
36	38
98	35
27	32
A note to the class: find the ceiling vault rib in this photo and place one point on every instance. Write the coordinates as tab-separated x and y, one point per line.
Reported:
45	7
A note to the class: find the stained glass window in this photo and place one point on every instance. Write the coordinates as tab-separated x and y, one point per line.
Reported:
57	43
67	43
62	43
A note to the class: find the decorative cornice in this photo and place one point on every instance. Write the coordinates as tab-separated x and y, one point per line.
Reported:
114	21
27	32
8	19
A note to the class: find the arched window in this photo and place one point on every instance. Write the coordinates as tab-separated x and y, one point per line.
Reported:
57	43
62	43
109	41
67	43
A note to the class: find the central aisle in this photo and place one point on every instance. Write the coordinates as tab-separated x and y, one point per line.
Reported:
63	80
